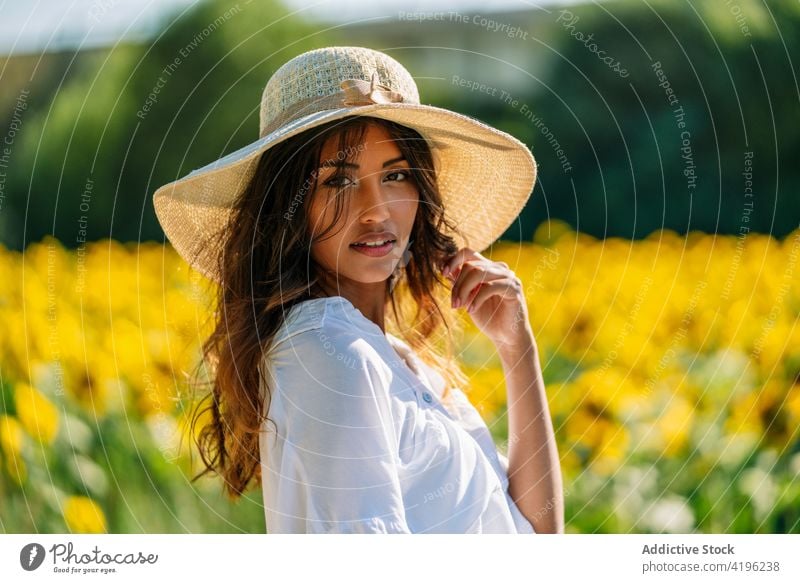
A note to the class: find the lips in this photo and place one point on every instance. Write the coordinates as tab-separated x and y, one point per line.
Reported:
380	241
373	250
379	237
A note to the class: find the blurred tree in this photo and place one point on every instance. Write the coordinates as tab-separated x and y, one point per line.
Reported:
127	121
609	146
734	87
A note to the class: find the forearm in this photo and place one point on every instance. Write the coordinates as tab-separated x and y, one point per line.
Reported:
534	471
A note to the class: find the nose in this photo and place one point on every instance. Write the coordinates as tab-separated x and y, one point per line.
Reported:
373	199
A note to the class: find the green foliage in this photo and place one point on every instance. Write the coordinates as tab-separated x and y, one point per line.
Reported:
738	92
125	122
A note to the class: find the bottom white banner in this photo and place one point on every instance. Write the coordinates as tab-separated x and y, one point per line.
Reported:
398	558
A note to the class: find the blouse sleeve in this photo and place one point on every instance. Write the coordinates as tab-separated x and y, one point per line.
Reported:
473	423
340	454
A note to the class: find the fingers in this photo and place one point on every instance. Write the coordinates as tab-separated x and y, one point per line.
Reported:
468	270
504	287
453	263
471	275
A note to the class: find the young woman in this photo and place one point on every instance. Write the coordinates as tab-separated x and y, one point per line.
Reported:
360	210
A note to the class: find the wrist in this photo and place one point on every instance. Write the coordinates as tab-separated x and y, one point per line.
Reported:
523	348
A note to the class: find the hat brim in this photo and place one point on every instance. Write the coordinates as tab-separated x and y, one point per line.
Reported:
485	177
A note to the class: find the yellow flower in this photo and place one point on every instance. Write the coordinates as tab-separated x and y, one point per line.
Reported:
37	414
743	416
610	389
487	389
613	451
675	423
11	439
792	406
551	230
83	515
11	435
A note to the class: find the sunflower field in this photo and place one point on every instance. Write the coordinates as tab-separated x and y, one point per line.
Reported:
671	363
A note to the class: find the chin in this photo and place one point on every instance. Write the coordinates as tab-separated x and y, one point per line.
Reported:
365	279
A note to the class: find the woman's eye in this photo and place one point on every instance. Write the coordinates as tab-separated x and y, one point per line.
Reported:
335	182
402	173
338	181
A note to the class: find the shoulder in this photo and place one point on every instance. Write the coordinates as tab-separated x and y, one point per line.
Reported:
301	317
323	342
334	313
327	326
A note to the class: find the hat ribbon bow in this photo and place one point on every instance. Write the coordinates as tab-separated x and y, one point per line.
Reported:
360	92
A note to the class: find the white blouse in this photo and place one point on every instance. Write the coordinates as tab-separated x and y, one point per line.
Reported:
362	442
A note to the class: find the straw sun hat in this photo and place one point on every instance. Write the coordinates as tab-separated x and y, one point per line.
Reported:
485	175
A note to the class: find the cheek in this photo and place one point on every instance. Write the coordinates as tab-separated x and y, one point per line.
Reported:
322	212
324	249
324	253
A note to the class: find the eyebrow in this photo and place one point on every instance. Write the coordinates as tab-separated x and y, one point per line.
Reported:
341	164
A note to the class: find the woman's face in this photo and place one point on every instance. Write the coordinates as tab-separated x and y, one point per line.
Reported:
380	198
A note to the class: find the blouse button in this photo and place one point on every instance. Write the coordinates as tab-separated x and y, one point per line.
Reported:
427	396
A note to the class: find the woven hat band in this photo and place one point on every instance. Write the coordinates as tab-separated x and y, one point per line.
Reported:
352	93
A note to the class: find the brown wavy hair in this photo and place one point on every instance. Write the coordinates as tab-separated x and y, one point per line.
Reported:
266	267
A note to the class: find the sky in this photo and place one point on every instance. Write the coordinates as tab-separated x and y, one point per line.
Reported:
34	26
